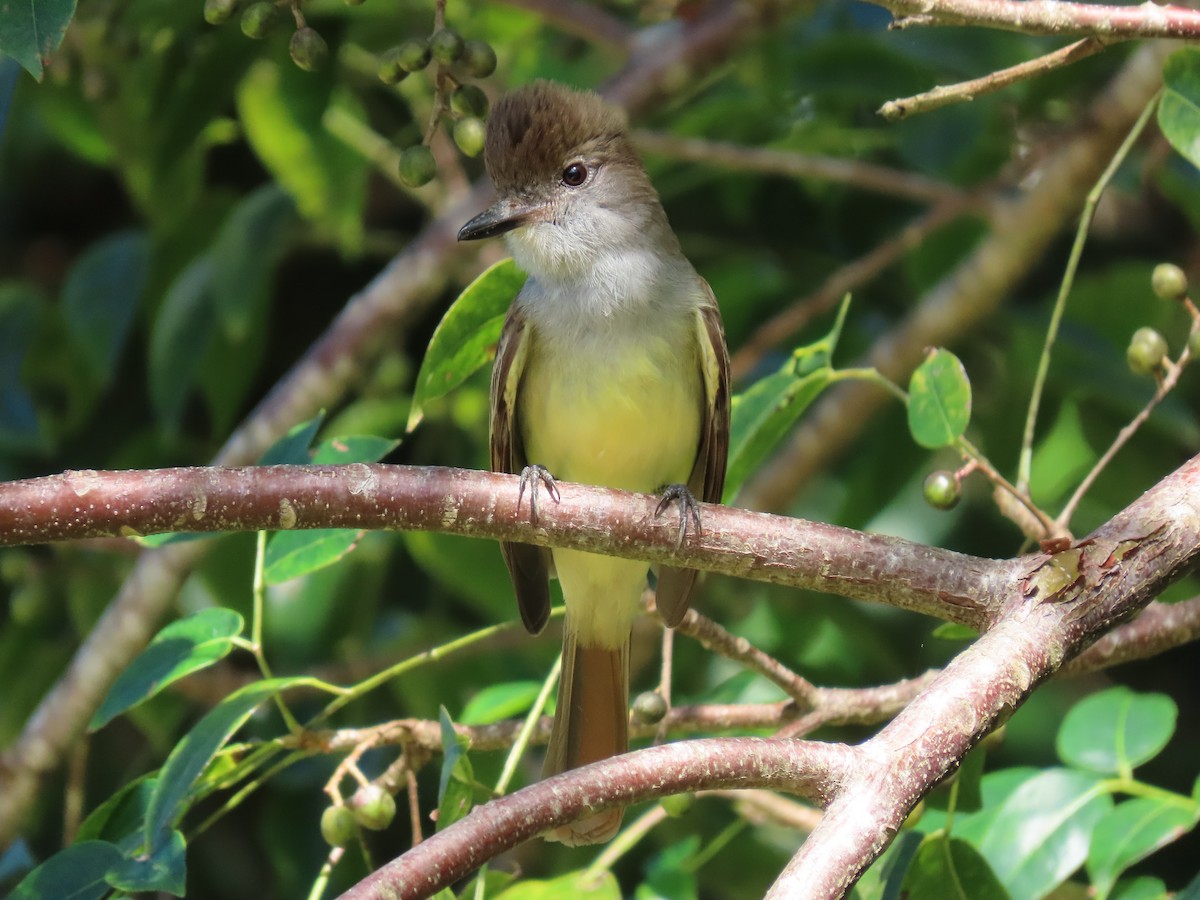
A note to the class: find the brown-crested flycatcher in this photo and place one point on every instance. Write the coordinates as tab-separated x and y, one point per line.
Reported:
611	370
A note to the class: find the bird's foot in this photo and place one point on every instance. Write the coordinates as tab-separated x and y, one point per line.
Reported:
689	508
532	477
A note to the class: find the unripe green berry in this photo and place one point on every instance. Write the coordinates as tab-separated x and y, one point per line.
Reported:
1194	344
1169	282
677	804
390	69
417	166
218	12
309	50
446	45
469	134
941	490
259	19
374	808
1146	351
413	54
469	100
648	708
338	826
478	59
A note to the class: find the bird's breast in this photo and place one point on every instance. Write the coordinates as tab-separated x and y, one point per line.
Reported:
619	410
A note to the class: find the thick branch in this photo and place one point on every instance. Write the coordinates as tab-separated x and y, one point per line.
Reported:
737	542
807	769
1147	20
1062	604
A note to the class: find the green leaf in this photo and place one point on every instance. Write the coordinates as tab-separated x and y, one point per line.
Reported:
885	879
576	885
1116	730
952	631
244	256
293	448
947	868
456	789
762	414
193	754
1141	888
1040	834
76	873
163	870
121	816
31	30
353	448
291	554
281	109
1130	832
939	400
1062	457
1179	109
500	701
1192	891
179	339
473	569
466	338
101	295
669	875
183	647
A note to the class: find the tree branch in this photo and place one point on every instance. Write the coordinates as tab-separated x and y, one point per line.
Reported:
756	546
855	173
1062	604
895	110
1146	20
807	769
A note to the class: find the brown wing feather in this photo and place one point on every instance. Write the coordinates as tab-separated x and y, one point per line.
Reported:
707	481
528	566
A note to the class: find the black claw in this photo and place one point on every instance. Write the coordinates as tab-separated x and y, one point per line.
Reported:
531	477
688	508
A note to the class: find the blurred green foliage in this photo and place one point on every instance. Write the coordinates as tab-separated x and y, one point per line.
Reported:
178	223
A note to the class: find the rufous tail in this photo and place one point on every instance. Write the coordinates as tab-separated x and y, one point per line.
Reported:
590	724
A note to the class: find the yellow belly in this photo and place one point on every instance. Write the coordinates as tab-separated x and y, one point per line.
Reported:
628	418
624	417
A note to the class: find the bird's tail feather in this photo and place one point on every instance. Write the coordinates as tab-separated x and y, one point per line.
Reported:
590	724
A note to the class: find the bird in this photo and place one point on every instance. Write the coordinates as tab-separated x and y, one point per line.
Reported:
611	370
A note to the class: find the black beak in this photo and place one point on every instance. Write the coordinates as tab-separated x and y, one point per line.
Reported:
501	217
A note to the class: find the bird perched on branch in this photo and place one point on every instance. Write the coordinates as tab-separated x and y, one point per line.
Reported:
611	370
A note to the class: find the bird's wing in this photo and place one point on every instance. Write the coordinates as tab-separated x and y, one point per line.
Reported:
707	480
529	566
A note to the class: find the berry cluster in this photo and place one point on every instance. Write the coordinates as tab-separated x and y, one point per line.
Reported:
308	49
456	59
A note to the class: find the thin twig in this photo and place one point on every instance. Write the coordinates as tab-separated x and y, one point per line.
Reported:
1025	463
895	110
713	637
1170	378
764	161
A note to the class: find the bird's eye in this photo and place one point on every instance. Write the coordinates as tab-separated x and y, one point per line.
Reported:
575	174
